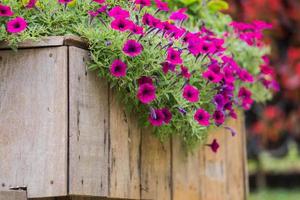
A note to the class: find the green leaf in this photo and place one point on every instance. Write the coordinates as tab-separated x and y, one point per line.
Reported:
217	5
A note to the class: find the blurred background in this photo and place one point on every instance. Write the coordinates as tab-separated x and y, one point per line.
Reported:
273	130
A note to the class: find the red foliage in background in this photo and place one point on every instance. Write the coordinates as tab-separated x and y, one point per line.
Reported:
283	115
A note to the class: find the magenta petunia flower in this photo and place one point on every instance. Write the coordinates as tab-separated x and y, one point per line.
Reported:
167	115
132	48
120	24
145	79
146	93
65	1
5	11
174	56
31	4
16	25
211	76
202	117
118	12
179	15
244	93
191	93
143	3
185	72
151	21
99	1
245	76
136	29
219	117
163	6
214	146
98	11
157	118
118	68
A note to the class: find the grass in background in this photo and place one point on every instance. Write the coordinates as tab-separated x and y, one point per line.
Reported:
276	195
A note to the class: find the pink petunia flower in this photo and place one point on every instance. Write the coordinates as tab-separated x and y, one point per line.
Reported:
136	29
146	93
120	24
118	68
174	57
190	93
132	48
65	1
5	11
214	146
118	12
16	25
99	1
157	118
202	117
143	3
31	4
218	117
98	11
163	6
151	21
219	101
167	115
185	72
179	15
211	76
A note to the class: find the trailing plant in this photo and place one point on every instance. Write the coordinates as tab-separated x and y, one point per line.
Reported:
181	77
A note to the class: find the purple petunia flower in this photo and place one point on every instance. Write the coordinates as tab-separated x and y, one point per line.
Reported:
157	118
219	117
99	1
118	12
219	101
191	93
16	25
136	29
214	146
167	115
31	4
146	93
166	67
202	117
5	11
145	79
132	48
118	68
182	111
174	56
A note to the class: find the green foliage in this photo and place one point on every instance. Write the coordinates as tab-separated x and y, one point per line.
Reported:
53	19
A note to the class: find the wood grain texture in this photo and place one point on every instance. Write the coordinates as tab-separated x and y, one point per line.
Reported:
214	168
235	153
33	120
51	41
124	153
88	122
13	195
156	180
186	171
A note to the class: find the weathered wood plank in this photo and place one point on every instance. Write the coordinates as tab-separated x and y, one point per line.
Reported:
214	168
124	153
186	171
155	168
13	195
236	188
33	120
88	103
51	41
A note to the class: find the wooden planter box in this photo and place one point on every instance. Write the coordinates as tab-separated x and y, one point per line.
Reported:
63	133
